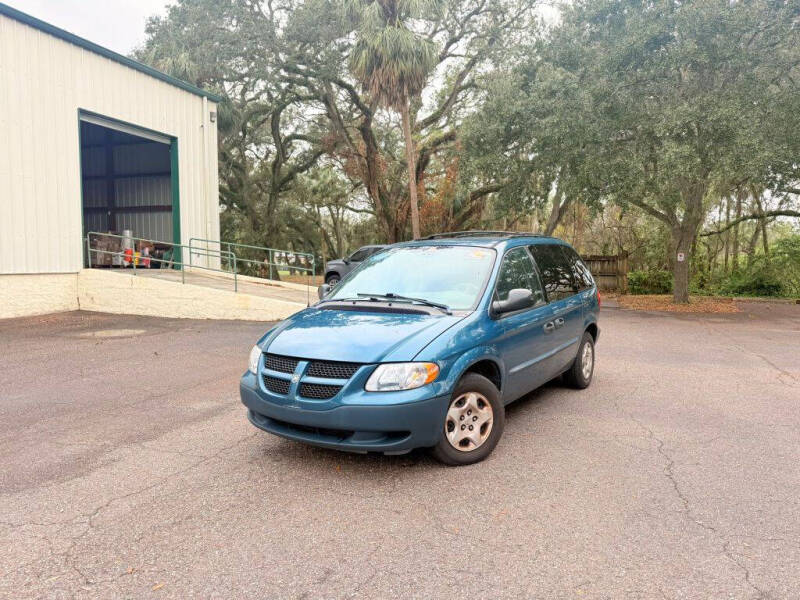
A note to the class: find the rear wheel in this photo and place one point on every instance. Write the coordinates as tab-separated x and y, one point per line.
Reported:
473	424
580	373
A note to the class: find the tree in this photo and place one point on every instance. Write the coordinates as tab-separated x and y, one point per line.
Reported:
266	139
528	135
393	62
470	36
654	104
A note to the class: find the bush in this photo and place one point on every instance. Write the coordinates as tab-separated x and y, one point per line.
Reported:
649	282
756	280
786	255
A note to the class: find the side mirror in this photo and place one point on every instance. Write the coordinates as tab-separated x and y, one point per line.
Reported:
323	290
517	300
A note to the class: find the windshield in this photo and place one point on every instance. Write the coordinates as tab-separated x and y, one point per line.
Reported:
451	275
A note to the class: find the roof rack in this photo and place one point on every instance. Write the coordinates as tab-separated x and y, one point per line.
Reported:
480	233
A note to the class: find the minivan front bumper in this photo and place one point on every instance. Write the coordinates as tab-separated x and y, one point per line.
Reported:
369	427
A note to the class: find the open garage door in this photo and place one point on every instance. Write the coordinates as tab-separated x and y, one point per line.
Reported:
129	180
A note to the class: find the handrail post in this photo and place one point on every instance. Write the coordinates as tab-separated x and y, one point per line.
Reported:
235	273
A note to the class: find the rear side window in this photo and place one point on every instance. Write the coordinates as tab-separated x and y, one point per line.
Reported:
360	255
556	271
580	272
518	272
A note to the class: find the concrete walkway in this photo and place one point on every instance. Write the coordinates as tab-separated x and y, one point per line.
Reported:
245	285
161	293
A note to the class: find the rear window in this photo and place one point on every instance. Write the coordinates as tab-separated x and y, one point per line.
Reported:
555	269
580	272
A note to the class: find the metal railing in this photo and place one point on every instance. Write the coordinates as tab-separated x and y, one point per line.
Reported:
268	261
171	262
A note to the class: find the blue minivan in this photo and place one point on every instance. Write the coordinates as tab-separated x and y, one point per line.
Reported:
424	344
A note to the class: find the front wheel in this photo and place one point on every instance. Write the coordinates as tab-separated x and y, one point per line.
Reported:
474	422
580	373
332	280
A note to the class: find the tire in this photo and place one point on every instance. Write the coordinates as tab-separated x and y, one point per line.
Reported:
332	279
474	398
579	375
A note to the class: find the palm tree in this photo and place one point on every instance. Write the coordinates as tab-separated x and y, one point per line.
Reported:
392	63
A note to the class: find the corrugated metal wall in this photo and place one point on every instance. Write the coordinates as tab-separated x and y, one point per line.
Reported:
122	174
44	82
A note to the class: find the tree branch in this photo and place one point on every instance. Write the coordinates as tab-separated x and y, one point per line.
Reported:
437	114
354	96
760	215
653	212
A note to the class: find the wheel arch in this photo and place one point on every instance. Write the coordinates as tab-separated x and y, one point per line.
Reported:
481	361
487	368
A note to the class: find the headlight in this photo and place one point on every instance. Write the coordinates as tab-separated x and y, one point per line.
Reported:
401	376
252	363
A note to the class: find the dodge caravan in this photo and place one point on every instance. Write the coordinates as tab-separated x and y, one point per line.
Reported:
425	343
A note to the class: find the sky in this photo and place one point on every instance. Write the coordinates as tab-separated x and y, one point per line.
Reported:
115	24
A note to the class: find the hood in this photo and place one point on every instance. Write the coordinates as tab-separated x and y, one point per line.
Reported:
338	262
354	336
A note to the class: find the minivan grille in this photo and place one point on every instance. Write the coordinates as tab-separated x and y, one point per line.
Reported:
317	391
276	385
283	364
332	369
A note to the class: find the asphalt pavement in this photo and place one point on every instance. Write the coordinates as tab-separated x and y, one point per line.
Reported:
129	470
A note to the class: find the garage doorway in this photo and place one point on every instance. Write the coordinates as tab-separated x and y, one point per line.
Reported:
129	180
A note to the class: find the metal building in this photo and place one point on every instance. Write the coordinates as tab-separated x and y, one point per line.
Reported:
91	140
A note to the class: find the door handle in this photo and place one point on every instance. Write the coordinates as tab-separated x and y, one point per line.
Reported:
559	322
549	326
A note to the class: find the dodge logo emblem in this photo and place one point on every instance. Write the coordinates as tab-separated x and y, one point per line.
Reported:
295	378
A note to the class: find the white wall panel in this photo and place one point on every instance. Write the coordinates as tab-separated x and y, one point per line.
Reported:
44	82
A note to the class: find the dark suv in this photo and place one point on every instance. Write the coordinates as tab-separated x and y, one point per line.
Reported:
335	270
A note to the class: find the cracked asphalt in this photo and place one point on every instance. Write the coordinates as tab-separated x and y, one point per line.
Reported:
129	470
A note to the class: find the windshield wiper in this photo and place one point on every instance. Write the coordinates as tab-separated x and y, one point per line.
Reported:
340	300
391	296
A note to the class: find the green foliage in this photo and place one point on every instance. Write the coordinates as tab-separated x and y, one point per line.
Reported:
649	282
786	256
760	280
652	108
392	61
775	275
655	105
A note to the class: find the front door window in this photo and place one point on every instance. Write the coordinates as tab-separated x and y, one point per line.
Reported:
518	272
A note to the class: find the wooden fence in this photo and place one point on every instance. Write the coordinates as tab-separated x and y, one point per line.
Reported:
610	272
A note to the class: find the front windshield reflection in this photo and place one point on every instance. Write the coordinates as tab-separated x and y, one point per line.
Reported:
451	275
